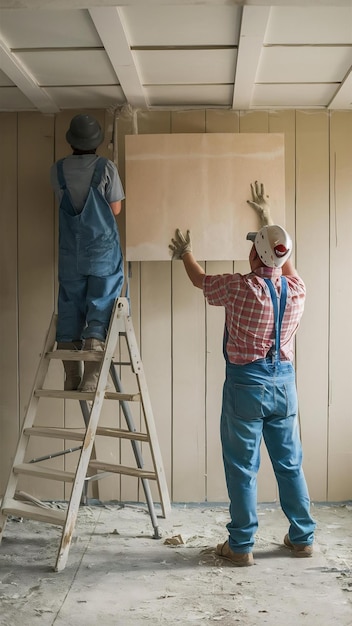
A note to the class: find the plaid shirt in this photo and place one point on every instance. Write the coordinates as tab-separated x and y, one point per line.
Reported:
249	312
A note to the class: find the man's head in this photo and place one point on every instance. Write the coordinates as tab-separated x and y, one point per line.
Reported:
272	246
85	133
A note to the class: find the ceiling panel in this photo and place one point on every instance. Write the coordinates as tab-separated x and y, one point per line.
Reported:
104	96
170	67
69	67
196	25
271	96
5	81
48	29
303	64
190	95
12	99
310	25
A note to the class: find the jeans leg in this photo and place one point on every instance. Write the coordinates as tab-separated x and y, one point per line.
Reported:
284	446
241	437
71	310
102	292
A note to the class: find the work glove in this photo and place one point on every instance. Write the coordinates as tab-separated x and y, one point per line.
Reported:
259	203
180	245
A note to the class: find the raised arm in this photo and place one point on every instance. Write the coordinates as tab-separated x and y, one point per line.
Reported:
181	248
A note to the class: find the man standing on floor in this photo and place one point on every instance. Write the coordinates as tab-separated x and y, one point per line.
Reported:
91	276
262	313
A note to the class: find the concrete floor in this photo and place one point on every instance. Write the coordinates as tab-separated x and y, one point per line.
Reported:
118	575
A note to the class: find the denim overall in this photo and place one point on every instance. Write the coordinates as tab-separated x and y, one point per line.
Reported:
90	263
260	400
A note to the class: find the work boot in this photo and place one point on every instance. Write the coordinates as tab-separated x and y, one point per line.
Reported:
299	549
238	559
91	368
73	369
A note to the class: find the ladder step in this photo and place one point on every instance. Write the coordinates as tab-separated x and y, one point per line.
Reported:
121	433
20	509
121	469
76	355
34	469
85	395
55	433
76	435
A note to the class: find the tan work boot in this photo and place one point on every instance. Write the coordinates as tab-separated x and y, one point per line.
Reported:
91	368
299	549
239	559
73	369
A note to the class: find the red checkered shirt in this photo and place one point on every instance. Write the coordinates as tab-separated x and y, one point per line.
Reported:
249	312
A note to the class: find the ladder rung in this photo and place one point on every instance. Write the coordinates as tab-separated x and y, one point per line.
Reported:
56	433
20	509
85	395
76	435
129	397
121	434
34	469
121	469
76	355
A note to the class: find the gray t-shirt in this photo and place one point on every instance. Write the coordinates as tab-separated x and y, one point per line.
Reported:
78	172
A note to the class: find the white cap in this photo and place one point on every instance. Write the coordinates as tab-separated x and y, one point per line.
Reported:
273	245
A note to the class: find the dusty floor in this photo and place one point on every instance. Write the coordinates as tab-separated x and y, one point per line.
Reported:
118	575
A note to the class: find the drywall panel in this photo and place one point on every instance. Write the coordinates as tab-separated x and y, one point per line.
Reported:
340	344
9	418
312	220
199	182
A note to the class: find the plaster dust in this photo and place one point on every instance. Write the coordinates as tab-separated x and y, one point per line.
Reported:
118	575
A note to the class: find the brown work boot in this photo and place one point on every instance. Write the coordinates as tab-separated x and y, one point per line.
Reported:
91	368
73	369
299	549
238	559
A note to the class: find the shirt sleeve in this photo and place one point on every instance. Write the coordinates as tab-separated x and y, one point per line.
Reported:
113	188
218	288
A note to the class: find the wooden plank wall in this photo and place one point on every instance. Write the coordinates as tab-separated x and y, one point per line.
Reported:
179	335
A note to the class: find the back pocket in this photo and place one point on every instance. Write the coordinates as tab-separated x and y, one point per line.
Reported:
248	401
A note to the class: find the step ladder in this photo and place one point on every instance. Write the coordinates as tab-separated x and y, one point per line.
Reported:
20	504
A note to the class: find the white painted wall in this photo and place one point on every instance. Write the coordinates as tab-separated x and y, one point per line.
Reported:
179	336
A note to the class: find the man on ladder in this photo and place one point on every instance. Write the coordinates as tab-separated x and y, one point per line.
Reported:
89	192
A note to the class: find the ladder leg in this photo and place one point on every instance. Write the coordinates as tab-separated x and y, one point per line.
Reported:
28	420
149	417
116	324
136	451
86	413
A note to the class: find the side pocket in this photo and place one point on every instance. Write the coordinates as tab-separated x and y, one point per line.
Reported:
248	401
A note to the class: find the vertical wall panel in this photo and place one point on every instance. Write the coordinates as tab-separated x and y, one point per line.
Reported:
188	363
155	347
340	423
9	416
36	274
312	236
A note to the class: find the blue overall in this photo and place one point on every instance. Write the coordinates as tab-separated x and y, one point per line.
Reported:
90	263
260	400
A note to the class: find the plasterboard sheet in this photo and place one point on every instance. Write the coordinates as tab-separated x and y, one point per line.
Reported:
199	182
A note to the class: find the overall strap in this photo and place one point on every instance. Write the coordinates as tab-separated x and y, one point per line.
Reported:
278	315
60	174
98	172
